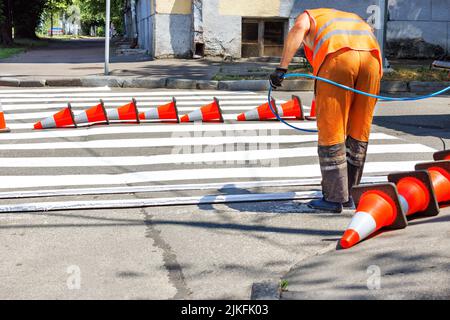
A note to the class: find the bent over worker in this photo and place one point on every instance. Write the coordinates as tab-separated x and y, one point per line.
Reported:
341	47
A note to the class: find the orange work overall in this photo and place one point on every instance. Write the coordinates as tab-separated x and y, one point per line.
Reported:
346	51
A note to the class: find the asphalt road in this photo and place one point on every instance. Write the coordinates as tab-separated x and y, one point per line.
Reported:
200	250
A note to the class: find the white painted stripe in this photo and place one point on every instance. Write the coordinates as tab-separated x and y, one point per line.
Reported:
139	203
363	223
158	142
162	94
228	105
49	92
179	187
154	128
218	157
187	140
300	171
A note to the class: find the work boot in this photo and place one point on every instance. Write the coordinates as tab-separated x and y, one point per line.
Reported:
324	205
350	204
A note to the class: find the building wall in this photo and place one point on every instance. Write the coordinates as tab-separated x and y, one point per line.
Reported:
427	19
171	21
145	21
172	25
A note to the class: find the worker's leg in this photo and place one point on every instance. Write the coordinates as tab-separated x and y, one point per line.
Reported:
333	106
360	116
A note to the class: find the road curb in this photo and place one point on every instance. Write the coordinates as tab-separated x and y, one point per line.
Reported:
387	86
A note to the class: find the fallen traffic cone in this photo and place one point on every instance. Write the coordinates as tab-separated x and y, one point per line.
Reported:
3	127
415	192
377	206
128	112
312	113
210	112
263	112
440	178
442	155
166	112
95	114
61	119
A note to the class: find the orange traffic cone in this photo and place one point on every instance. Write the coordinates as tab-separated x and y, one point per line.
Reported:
415	192
442	155
61	119
95	114
378	207
210	112
440	178
312	113
292	108
3	127
128	112
263	112
166	112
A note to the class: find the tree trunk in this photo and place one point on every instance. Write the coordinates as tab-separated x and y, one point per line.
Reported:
26	15
51	24
6	23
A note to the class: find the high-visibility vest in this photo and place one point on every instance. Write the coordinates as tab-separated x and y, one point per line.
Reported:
336	30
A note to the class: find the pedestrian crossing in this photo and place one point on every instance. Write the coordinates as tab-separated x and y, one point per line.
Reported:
165	158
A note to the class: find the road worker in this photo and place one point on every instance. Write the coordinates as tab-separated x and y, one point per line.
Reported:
341	47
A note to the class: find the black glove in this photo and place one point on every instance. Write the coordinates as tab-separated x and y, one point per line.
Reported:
277	77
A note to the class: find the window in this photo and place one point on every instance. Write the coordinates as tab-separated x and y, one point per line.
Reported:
263	37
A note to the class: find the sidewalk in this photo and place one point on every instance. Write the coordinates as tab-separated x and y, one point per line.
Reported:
81	63
84	58
413	263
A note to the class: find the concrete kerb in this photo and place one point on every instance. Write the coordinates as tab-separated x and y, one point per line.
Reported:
226	85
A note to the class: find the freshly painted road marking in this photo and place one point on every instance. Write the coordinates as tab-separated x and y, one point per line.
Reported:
188	140
218	157
171	187
299	171
153	202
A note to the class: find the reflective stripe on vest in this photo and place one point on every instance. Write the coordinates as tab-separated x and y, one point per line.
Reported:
338	33
336	30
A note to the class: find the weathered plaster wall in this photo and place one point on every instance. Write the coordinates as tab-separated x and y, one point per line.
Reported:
222	33
172	35
249	8
420	19
174	6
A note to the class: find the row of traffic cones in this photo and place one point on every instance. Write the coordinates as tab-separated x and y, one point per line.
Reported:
168	112
388	205
128	113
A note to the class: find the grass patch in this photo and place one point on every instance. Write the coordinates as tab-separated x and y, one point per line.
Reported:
8	52
284	285
405	73
21	45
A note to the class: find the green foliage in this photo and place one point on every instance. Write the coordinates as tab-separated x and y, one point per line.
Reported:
8	52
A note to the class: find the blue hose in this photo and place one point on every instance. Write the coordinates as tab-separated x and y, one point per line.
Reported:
381	98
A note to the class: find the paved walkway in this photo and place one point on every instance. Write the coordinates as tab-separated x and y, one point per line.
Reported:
72	58
413	263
